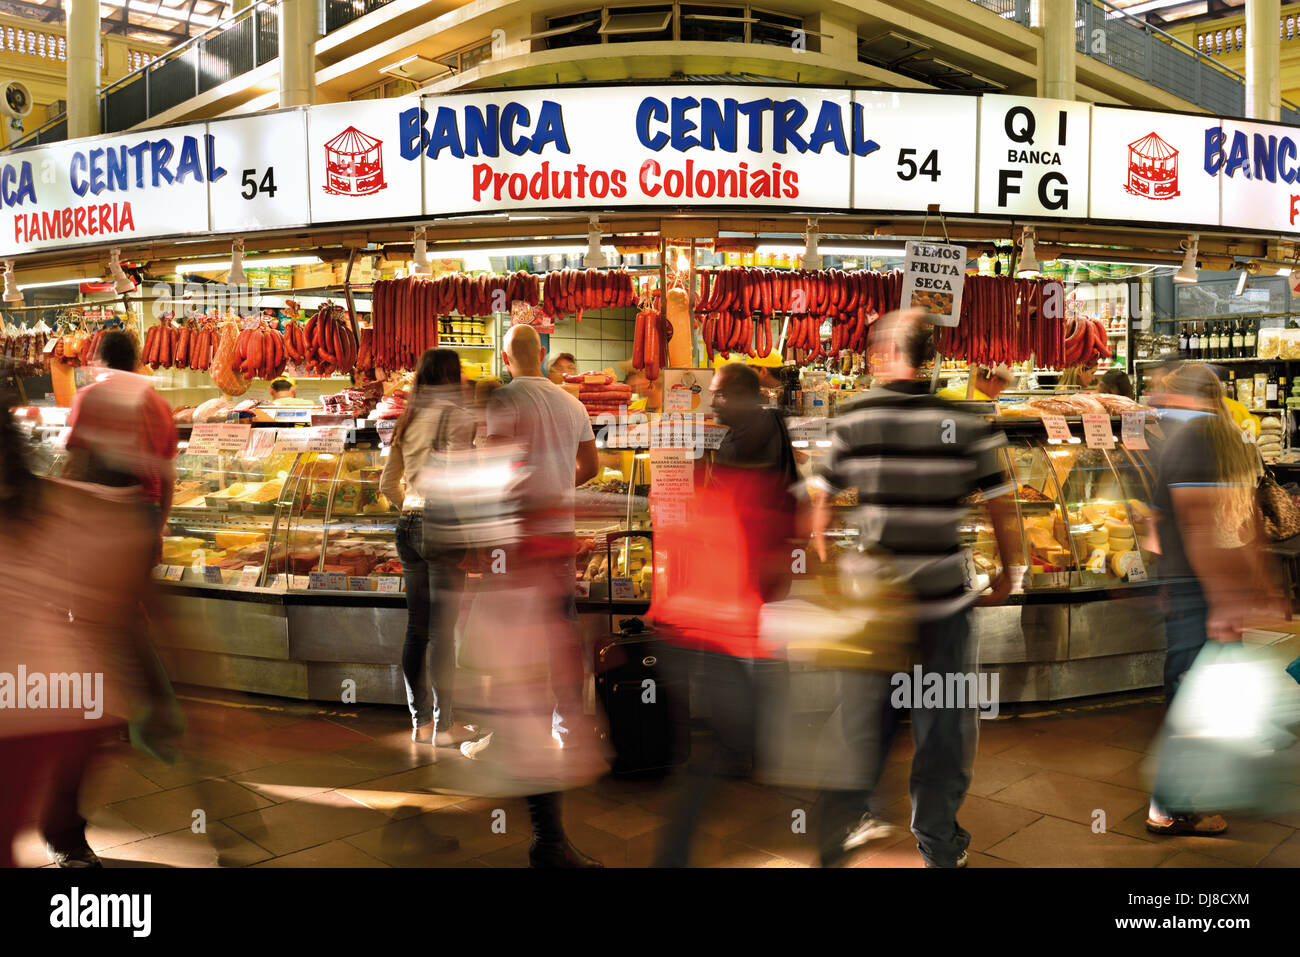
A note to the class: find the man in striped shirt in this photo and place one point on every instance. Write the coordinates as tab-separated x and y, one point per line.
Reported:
913	458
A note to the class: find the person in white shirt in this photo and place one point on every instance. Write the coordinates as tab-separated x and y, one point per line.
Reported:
560	451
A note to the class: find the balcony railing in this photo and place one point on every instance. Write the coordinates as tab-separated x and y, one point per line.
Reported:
1106	33
238	45
1017	11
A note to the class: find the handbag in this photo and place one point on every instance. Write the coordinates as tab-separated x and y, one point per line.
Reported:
1279	511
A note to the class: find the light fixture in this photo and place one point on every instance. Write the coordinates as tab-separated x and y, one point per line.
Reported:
417	69
420	262
1242	278
12	293
1187	271
121	281
811	258
1027	264
236	276
837	249
595	256
268	262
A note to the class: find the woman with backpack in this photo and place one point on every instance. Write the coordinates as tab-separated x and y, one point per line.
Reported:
435	420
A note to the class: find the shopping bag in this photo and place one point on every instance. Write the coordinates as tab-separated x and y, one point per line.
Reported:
1228	742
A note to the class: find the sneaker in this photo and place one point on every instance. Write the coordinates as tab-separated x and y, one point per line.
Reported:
868	829
961	861
80	856
472	748
455	736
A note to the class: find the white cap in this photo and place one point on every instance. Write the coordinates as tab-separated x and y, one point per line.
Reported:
1002	371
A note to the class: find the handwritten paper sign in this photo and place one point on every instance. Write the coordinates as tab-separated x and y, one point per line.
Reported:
248	576
204	439
1133	429
1096	431
1057	429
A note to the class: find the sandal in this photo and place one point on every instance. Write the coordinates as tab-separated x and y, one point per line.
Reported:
1203	825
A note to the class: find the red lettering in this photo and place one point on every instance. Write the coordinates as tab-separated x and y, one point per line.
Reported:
518	186
126	222
67	223
673	183
18	227
498	180
791	180
649	168
51	223
599	184
79	221
1295	209
620	184
105	218
482	179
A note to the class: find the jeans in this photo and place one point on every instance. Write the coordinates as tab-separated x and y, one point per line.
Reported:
945	740
433	589
1186	612
738	693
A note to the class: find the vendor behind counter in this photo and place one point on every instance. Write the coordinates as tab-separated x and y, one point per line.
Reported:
989	382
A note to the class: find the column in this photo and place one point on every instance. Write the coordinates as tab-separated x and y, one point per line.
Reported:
1263	60
83	68
299	30
1055	20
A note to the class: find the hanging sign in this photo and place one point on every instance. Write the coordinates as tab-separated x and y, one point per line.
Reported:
933	277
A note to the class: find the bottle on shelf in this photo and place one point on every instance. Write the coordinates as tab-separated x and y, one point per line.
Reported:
1261	385
1238	340
1222	341
1250	339
1216	338
1270	389
1194	343
1281	390
1230	387
1184	349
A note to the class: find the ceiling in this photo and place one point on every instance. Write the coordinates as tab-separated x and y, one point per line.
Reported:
1165	12
166	22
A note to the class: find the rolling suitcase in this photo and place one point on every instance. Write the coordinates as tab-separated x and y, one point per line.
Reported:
646	704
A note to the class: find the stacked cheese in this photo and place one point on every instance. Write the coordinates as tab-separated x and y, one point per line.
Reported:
1270	439
598	391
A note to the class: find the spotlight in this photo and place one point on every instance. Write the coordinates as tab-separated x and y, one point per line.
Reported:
121	281
1027	265
595	257
13	294
1187	271
420	262
811	258
236	276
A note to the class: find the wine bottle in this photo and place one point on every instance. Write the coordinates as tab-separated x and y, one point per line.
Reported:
1194	343
1270	390
1251	339
1238	340
1183	348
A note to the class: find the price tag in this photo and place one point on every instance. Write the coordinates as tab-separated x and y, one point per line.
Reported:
622	589
809	431
260	443
318	580
1096	431
1133	429
1057	429
50	345
203	439
232	436
219	504
174	573
337	581
390	584
327	440
212	575
160	572
358	583
582	589
385	429
300	582
291	440
248	576
280	582
1138	573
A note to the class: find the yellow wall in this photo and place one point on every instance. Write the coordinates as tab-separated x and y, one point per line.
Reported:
1204	36
41	69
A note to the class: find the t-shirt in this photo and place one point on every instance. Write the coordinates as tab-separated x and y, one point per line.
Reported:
126	427
913	457
1183	460
550	424
755	439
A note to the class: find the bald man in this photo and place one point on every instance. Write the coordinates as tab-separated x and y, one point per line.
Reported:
554	429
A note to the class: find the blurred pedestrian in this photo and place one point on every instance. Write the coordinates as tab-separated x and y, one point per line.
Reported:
913	459
709	609
1116	382
435	421
1213	573
559	451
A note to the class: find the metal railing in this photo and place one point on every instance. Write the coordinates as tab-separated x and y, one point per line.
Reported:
1017	11
237	45
1105	32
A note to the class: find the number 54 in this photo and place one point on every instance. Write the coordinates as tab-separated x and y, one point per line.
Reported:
251	187
907	165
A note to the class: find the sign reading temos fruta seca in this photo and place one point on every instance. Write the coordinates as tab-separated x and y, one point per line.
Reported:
934	275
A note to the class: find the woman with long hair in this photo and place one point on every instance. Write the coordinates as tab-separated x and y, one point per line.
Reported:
1077	377
1213	573
435	420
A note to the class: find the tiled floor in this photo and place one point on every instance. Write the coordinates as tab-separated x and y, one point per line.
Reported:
267	783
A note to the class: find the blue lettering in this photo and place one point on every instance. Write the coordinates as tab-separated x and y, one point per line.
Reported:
445	135
1266	158
1285	149
1214	157
512	114
97	172
550	128
754	110
482	132
7	177
787	117
410	130
651	109
188	164
137	154
682	126
829	128
718	125
861	145
1239	155
160	152
215	172
116	172
78	165
26	189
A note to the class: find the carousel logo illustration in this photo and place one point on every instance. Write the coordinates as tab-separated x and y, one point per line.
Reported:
354	164
1152	168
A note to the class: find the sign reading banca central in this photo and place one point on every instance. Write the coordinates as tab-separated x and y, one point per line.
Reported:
779	148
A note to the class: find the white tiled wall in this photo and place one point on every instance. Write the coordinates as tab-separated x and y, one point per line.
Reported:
602	338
